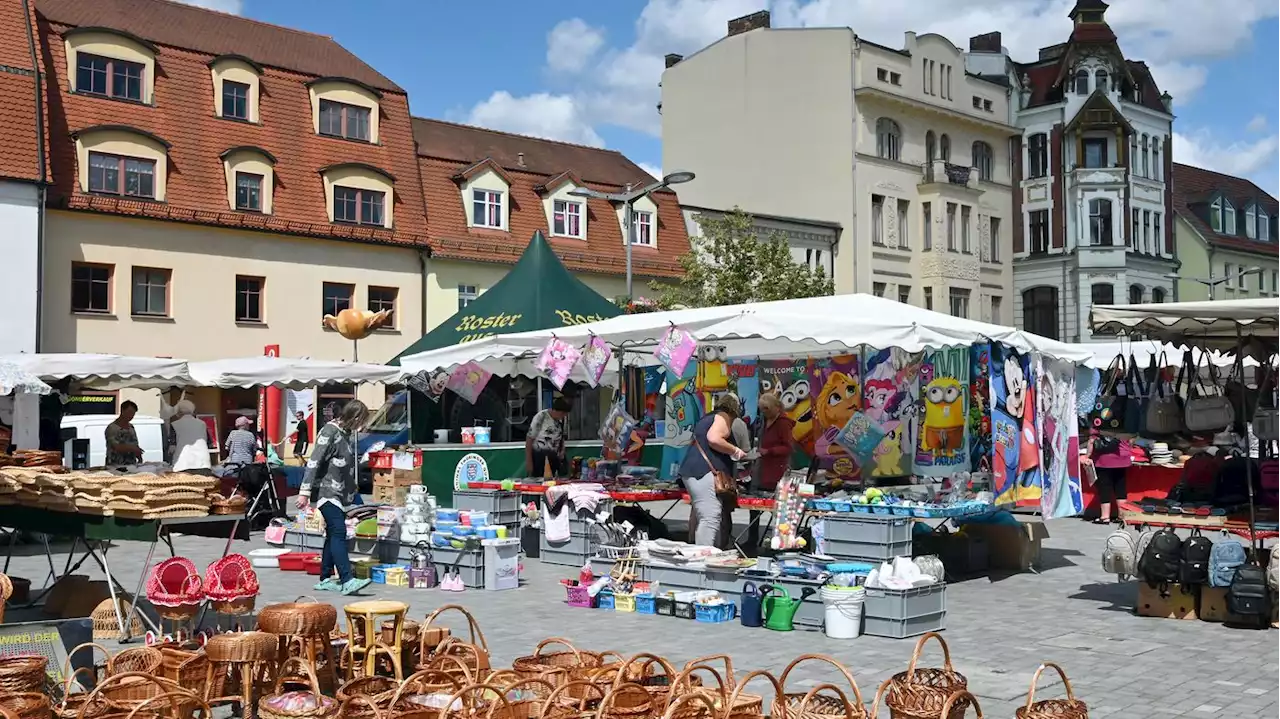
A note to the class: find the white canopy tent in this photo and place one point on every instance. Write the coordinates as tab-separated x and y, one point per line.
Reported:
1216	325
814	326
1144	350
103	368
287	372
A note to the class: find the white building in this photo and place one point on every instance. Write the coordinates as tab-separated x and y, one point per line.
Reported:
1093	197
900	149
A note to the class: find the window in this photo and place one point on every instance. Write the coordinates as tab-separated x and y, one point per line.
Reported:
1228	218
1264	226
1095	152
336	297
1082	82
904	294
977	102
966	245
644	228
339	119
1157	294
1100	222
466	295
249	192
249	299
1155	158
944	146
1157	240
1133	156
986	105
150	292
486	208
997	308
1215	215
1146	232
951	226
888	139
90	288
892	78
1040	311
983	159
928	298
1135	294
1251	222
1134	239
959	303
927	224
1262	282
384	298
904	234
1274	286
362	207
878	288
1103	294
99	75
235	100
877	219
1101	79
566	218
1228	272
116	175
994	252
1038	147
1039	231
895	78
930	146
1146	160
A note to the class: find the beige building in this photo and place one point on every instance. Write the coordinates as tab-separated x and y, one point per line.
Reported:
1225	231
899	148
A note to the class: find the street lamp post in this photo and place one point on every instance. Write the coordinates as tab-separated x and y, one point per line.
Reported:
628	198
1213	282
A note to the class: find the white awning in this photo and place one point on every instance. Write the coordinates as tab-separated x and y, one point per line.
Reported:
288	372
52	367
14	379
1211	325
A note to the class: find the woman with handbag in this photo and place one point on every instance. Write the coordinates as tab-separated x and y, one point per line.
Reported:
708	466
1111	460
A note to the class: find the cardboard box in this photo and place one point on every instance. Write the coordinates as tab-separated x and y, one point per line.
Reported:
407	477
1213	607
384	478
1166	601
1013	548
395	496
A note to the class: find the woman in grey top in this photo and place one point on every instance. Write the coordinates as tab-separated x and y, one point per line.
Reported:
330	484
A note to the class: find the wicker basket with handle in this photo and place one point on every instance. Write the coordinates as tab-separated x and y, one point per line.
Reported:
697	705
181	703
920	693
1069	708
139	660
751	706
359	705
965	698
71	701
478	700
628	701
526	696
657	684
101	704
408	702
106	624
578	664
819	706
303	616
573	700
299	703
745	705
374	692
22	673
477	637
27	705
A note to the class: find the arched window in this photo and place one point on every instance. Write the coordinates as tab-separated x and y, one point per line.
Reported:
1146	158
945	146
1135	294
1103	294
1100	221
1040	311
1082	82
888	138
1157	294
1101	79
983	159
930	146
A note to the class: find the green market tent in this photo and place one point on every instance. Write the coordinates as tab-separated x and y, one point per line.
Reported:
537	294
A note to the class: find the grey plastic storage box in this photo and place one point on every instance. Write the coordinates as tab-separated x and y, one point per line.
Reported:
811	613
469	562
674	577
493	501
900	613
501	564
563	558
869	538
725	581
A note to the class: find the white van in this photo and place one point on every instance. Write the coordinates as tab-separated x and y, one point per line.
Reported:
93	427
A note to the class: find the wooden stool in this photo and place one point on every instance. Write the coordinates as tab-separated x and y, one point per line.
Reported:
364	638
249	658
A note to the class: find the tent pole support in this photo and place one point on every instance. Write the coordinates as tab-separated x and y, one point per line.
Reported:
1254	545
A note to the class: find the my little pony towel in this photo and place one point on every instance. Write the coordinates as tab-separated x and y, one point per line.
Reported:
468	381
595	359
557	360
676	349
860	436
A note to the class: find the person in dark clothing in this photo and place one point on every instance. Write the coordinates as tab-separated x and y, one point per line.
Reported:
330	485
712	451
303	431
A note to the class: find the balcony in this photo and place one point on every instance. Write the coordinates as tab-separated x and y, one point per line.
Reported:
1099	176
939	176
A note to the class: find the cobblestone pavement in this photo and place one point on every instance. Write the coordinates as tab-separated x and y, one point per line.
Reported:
999	629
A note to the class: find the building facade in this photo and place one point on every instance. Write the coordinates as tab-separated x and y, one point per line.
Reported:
900	153
1092	192
1225	236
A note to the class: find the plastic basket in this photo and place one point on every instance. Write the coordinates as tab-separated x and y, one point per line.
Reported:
624	602
684	610
665	606
578	596
821	505
862	508
646	604
604	600
715	613
841	506
881	509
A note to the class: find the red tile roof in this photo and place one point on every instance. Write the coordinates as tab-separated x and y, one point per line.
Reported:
182	115
544	161
1195	187
20	151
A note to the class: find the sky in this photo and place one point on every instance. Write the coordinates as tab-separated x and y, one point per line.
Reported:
587	71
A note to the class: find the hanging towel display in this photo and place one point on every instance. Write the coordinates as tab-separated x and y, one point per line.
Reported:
1009	406
836	385
557	360
595	358
890	396
1059	434
676	349
944	394
980	407
468	381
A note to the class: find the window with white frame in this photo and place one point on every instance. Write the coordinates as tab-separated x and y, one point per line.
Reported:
566	218
1228	218
888	139
1264	225
1228	272
1156	237
1100	221
1082	82
486	208
644	228
1155	158
926	225
877	219
1146	232
959	303
1215	215
966	242
1135	235
904	209
1251	222
983	159
994	252
951	226
466	295
1146	158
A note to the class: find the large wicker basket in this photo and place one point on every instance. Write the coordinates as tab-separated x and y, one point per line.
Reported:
819	706
311	703
1069	708
578	664
242	647
477	637
921	693
298	618
102	702
26	705
71	701
751	706
145	661
22	674
6	591
106	625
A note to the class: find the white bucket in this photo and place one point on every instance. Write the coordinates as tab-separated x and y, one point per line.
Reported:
843	608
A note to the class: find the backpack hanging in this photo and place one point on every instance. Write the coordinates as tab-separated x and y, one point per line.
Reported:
1248	595
1224	558
1196	551
1160	562
1120	555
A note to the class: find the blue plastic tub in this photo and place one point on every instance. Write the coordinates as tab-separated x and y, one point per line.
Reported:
646	604
604	600
715	613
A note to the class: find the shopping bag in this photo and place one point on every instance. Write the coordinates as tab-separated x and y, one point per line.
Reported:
1109	409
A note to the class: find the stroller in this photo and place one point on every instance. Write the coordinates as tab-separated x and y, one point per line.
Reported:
258	482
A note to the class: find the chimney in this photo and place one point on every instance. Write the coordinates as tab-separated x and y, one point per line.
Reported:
520	159
747	23
673	58
987	42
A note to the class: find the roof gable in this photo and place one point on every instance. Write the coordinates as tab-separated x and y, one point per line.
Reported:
555	183
479	168
1195	189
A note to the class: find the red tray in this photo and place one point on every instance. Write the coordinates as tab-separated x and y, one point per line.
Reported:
297	561
312	565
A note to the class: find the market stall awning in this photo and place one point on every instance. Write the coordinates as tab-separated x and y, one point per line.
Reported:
53	367
1213	324
288	372
1143	350
16	379
537	293
812	327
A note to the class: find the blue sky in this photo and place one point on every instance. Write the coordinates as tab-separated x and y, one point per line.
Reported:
588	70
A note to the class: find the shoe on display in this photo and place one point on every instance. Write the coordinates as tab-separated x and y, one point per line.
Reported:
328	585
354	585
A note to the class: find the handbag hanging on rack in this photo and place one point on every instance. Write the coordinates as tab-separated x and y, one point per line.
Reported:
1135	397
1204	412
1163	415
1109	409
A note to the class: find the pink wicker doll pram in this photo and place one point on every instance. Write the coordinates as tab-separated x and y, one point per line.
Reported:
231	585
175	589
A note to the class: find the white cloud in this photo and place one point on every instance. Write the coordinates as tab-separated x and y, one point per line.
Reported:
571	44
1257	124
1255	159
235	7
1180	80
653	170
555	117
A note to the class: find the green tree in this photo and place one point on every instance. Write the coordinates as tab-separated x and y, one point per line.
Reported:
731	263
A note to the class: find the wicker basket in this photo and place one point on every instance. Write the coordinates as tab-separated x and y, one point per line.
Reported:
181	703
820	706
103	704
106	625
477	637
574	700
657	685
359	705
6	591
235	504
826	704
423	682
27	705
477	700
175	589
242	647
751	706
578	664
920	693
963	696
458	657
318	707
185	665
70	704
628	701
298	618
1069	708
22	674
373	692
138	662
526	696
697	705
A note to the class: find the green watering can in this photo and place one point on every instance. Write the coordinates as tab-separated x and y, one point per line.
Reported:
779	609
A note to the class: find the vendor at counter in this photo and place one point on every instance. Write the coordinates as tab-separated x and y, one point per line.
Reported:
545	442
122	438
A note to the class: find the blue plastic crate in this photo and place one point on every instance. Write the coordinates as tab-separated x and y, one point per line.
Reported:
715	613
881	509
646	604
378	573
604	600
840	505
859	508
821	505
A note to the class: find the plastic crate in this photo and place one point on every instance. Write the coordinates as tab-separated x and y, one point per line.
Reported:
578	596
715	613
605	600
867	537
575	544
624	602
381	460
684	610
725	581
493	501
378	573
561	558
363	568
295	561
664	606
646	604
900	613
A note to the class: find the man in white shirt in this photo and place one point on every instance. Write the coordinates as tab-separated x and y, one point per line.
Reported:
545	442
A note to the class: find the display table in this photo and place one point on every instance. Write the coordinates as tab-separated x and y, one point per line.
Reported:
637	496
1133	516
1141	481
97	533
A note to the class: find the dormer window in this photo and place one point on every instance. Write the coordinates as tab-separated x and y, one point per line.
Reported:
122	161
359	206
486	209
110	63
359	194
341	120
120	175
345	108
566	219
1251	222
99	75
644	228
1228	218
236	85
1101	79
1215	215
1082	82
250	173
235	100
1264	229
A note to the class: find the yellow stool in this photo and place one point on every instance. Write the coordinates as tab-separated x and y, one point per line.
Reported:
364	638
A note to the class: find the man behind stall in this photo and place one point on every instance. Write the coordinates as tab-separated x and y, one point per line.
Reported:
545	443
122	438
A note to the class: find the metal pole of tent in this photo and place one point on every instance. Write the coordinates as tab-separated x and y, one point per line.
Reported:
1254	544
